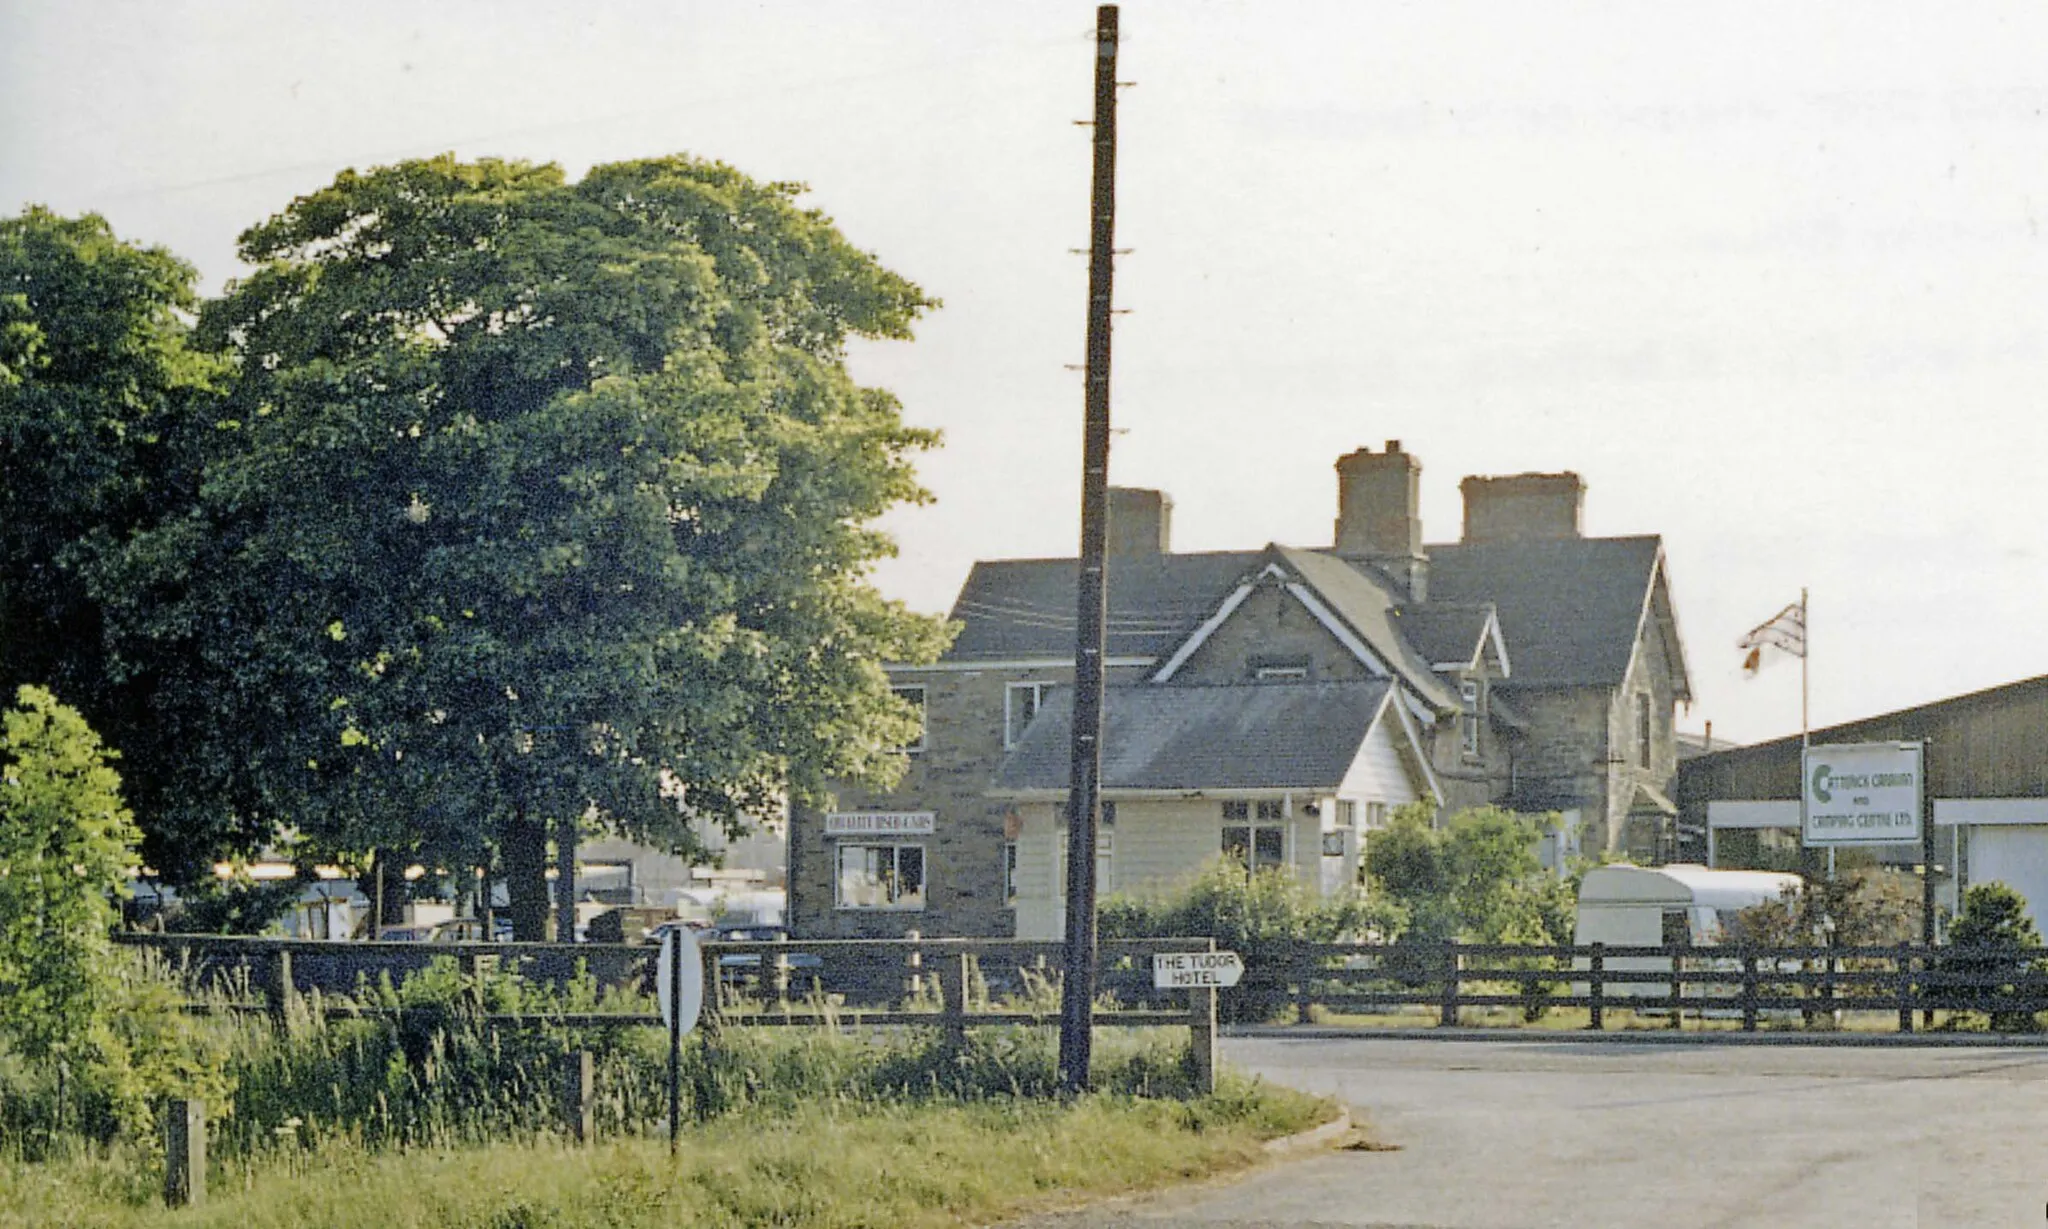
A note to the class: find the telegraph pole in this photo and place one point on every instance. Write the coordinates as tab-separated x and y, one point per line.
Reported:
1077	998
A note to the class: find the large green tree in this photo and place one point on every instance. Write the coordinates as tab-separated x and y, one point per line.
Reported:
107	417
548	501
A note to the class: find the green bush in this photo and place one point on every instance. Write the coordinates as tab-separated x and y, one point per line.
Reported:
1994	922
1262	916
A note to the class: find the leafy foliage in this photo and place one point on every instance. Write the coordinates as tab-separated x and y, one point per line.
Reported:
1867	907
66	847
1261	916
1994	923
487	500
107	416
1476	878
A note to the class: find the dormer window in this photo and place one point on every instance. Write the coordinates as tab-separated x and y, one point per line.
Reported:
1021	702
1279	669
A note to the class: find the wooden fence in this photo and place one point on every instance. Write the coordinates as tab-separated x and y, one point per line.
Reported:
1735	982
948	983
958	983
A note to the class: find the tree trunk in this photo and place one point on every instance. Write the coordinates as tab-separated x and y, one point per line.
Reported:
391	871
525	855
565	880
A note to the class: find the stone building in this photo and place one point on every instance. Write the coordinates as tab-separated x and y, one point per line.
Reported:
1272	704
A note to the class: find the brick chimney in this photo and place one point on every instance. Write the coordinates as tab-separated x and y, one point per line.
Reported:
1523	507
1140	522
1377	521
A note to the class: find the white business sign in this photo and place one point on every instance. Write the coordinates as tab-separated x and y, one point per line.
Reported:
1862	794
879	823
1195	970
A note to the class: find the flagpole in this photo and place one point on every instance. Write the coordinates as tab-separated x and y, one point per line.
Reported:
1805	720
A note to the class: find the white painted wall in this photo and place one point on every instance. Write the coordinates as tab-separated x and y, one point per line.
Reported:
2016	856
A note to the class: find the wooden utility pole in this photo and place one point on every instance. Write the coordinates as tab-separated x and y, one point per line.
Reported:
1077	997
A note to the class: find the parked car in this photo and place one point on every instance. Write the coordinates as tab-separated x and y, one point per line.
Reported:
743	970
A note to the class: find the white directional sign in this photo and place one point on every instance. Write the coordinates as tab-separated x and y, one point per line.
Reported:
1194	970
685	999
1862	794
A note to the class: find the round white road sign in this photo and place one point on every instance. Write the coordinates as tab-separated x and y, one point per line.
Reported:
685	1000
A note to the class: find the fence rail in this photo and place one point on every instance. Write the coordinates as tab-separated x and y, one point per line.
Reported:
947	983
955	983
1734	981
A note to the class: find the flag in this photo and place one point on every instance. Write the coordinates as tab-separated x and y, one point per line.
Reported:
1784	631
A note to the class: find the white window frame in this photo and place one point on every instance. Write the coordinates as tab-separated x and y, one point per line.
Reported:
1013	730
903	690
1105	861
894	904
1474	697
1256	816
1009	874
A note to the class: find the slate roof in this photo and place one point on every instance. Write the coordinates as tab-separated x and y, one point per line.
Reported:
1243	737
1024	608
1445	633
1569	607
1365	603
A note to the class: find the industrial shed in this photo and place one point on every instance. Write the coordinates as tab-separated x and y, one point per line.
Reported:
1986	770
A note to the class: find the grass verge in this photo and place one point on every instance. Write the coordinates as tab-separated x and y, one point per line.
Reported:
835	1163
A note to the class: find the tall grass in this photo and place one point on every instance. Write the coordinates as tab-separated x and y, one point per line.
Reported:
318	1093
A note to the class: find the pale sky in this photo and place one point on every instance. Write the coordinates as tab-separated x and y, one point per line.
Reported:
1770	277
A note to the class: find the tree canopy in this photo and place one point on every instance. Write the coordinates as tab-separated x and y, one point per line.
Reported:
525	499
107	416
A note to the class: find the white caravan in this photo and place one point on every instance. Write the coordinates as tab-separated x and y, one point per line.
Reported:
1683	905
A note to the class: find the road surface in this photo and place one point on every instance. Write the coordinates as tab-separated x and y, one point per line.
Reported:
1506	1135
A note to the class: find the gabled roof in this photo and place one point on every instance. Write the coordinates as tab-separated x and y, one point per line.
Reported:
1263	736
1364	603
1569	608
1453	636
1567	611
1352	604
1024	608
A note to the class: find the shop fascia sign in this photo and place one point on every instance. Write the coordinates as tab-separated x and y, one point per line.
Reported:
1862	794
879	823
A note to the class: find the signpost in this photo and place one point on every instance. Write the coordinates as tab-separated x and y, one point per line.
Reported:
1196	970
679	987
1861	794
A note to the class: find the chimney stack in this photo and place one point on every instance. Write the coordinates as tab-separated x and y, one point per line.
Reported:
1523	507
1377	520
1140	522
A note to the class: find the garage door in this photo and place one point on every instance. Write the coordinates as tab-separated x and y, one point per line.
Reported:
2016	855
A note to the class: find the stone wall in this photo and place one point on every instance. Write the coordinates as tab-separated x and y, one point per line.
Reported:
964	716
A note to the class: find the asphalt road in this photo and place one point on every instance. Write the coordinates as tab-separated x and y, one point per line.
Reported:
1493	1135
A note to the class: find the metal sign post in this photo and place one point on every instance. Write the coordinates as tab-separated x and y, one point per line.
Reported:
679	987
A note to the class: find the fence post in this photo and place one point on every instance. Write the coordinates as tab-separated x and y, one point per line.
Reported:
579	1094
954	988
1827	984
1447	1013
1902	965
1202	1037
1748	992
1677	987
184	1153
279	991
1596	985
913	965
1303	991
710	1015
